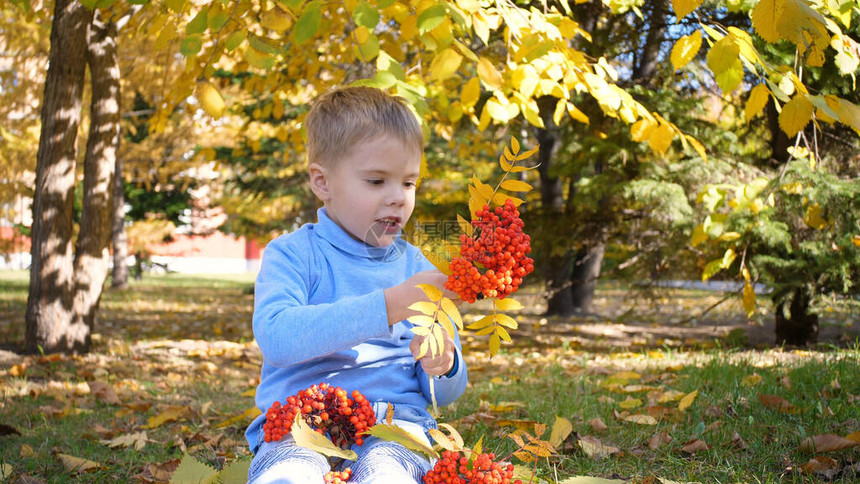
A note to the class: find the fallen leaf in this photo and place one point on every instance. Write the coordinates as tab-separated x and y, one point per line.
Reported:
5	471
630	403
503	407
593	448
28	479
192	471
854	436
658	440
597	424
670	396
18	370
751	380
171	414
822	466
687	400
827	443
104	392
248	414
137	440
694	446
27	451
738	442
561	428
778	403
77	464
640	419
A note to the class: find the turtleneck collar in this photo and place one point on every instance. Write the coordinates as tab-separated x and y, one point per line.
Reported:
343	241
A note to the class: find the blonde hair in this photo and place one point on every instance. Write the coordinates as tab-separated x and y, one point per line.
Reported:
340	119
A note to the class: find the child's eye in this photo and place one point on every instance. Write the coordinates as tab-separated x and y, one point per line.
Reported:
375	181
409	184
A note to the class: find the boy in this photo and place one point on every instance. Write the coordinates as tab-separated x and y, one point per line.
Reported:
331	298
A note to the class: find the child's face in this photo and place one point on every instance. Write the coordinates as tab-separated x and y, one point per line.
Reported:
371	192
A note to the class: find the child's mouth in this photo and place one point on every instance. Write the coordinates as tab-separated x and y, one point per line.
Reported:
390	224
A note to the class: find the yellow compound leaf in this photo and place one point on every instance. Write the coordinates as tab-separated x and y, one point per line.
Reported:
451	310
687	400
482	323
684	7
421	320
507	304
432	292
506	321
425	307
756	102
524	155
502	333
465	226
765	16
795	115
516	186
685	49
495	343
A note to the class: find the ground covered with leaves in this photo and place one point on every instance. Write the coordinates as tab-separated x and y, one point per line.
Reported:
647	390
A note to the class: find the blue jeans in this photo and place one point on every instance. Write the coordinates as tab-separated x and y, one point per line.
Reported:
379	462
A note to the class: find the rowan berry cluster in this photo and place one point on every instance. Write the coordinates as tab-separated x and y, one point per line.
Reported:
499	246
328	410
455	468
338	477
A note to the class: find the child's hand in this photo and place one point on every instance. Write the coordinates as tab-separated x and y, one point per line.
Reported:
435	365
398	298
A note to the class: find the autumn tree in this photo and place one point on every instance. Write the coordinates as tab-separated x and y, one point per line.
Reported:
66	282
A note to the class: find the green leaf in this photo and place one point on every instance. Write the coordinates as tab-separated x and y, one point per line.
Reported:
236	471
393	433
366	15
235	39
309	23
191	45
192	471
263	44
431	18
199	23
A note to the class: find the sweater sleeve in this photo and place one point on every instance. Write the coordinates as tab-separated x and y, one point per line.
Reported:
448	388
289	330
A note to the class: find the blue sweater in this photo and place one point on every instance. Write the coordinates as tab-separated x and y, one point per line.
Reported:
320	316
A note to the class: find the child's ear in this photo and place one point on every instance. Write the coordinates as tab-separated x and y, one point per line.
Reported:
319	181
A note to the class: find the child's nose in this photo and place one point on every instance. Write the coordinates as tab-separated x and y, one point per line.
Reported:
396	196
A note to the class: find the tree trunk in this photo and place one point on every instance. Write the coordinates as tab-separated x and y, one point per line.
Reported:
557	269
779	141
586	272
50	299
798	327
92	255
649	57
119	239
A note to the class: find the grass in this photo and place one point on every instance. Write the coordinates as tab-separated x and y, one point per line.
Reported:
181	346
